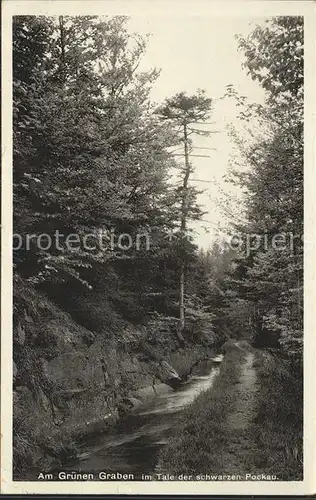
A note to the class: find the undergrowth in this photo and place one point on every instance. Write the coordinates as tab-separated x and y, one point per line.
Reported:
272	443
278	427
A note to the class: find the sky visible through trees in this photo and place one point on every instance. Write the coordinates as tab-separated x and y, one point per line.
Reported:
115	135
99	154
202	52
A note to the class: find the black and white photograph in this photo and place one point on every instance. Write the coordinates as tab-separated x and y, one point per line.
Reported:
157	248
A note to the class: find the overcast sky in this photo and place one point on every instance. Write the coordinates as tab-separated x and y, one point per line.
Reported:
201	52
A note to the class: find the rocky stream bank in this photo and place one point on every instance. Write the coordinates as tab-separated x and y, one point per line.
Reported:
70	383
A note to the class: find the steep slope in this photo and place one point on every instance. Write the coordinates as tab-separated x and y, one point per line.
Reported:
69	381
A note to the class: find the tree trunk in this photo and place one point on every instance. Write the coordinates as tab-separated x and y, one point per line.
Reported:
183	227
181	299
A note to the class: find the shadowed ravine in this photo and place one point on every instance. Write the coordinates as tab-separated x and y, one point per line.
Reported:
133	445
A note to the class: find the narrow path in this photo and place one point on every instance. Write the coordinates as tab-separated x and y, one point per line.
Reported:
243	412
238	456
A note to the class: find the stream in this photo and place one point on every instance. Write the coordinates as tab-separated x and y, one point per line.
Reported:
132	446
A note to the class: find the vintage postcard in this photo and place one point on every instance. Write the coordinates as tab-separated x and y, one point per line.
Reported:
158	216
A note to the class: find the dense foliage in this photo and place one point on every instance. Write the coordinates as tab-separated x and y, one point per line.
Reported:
102	244
92	163
93	159
270	271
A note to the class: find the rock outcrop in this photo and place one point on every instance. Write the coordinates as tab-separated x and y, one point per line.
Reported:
69	381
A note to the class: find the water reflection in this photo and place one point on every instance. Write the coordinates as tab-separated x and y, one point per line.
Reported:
133	445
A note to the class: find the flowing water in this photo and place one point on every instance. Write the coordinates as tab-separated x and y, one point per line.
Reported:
132	446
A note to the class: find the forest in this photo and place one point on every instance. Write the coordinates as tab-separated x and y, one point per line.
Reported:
107	272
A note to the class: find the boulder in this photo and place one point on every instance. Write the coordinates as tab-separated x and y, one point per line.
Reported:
168	375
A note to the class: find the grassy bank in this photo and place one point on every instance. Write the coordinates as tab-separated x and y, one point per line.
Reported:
278	426
202	432
234	429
